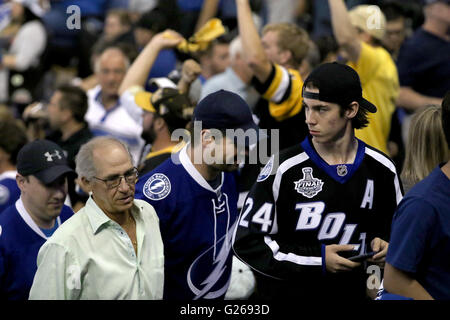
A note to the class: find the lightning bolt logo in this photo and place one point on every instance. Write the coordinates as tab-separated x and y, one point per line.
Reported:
219	268
157	187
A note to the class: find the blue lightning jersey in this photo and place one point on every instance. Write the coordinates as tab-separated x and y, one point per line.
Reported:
197	224
9	191
20	241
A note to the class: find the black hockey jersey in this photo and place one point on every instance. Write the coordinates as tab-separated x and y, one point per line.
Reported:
302	204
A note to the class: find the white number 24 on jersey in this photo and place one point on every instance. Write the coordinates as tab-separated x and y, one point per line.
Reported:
262	216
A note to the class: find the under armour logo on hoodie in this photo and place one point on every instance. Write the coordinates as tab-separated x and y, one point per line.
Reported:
51	155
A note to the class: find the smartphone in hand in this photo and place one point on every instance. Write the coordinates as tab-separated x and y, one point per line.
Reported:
361	257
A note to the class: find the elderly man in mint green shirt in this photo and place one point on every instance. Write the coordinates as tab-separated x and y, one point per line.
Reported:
111	248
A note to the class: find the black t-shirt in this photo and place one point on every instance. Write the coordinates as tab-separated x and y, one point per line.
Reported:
423	64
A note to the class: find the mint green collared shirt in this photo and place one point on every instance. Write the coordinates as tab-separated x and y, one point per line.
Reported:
90	256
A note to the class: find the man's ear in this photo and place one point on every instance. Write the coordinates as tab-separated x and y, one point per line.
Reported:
84	184
206	137
158	123
351	112
285	56
20	180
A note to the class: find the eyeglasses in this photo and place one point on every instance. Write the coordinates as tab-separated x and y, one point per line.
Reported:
114	181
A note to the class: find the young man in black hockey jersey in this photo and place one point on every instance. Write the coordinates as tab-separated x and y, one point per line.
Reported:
331	196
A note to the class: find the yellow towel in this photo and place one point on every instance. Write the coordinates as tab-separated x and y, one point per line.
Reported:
201	39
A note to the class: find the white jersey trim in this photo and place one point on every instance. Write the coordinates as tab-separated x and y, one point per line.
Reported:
387	163
280	256
29	221
8	175
189	167
284	166
282	87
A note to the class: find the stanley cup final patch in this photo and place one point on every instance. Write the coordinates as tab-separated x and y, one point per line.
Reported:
308	185
157	187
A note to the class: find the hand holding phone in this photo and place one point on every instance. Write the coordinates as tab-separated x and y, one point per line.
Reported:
361	257
353	255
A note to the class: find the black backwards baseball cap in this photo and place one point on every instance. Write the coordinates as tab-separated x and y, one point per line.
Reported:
226	110
43	159
337	83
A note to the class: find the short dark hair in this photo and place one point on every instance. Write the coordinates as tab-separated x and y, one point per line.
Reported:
359	121
12	138
446	117
393	11
75	99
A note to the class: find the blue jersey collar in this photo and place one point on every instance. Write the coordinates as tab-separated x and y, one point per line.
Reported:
332	170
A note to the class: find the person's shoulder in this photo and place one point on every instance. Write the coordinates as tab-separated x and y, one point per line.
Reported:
429	196
9	215
283	161
12	226
91	93
379	158
71	223
431	187
216	79
160	183
293	155
66	213
8	182
415	206
147	210
8	191
290	152
414	45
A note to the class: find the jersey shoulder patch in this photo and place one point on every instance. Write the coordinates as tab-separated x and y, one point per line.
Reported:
157	187
266	171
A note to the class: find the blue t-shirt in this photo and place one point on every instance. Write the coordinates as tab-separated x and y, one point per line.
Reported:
20	241
49	232
420	237
423	64
9	192
197	224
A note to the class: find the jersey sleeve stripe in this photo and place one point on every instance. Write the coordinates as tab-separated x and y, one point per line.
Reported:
290	257
387	163
284	166
278	86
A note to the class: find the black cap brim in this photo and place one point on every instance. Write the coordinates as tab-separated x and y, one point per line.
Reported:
368	105
49	175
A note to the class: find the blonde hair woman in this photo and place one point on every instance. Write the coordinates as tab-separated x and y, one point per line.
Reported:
426	146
